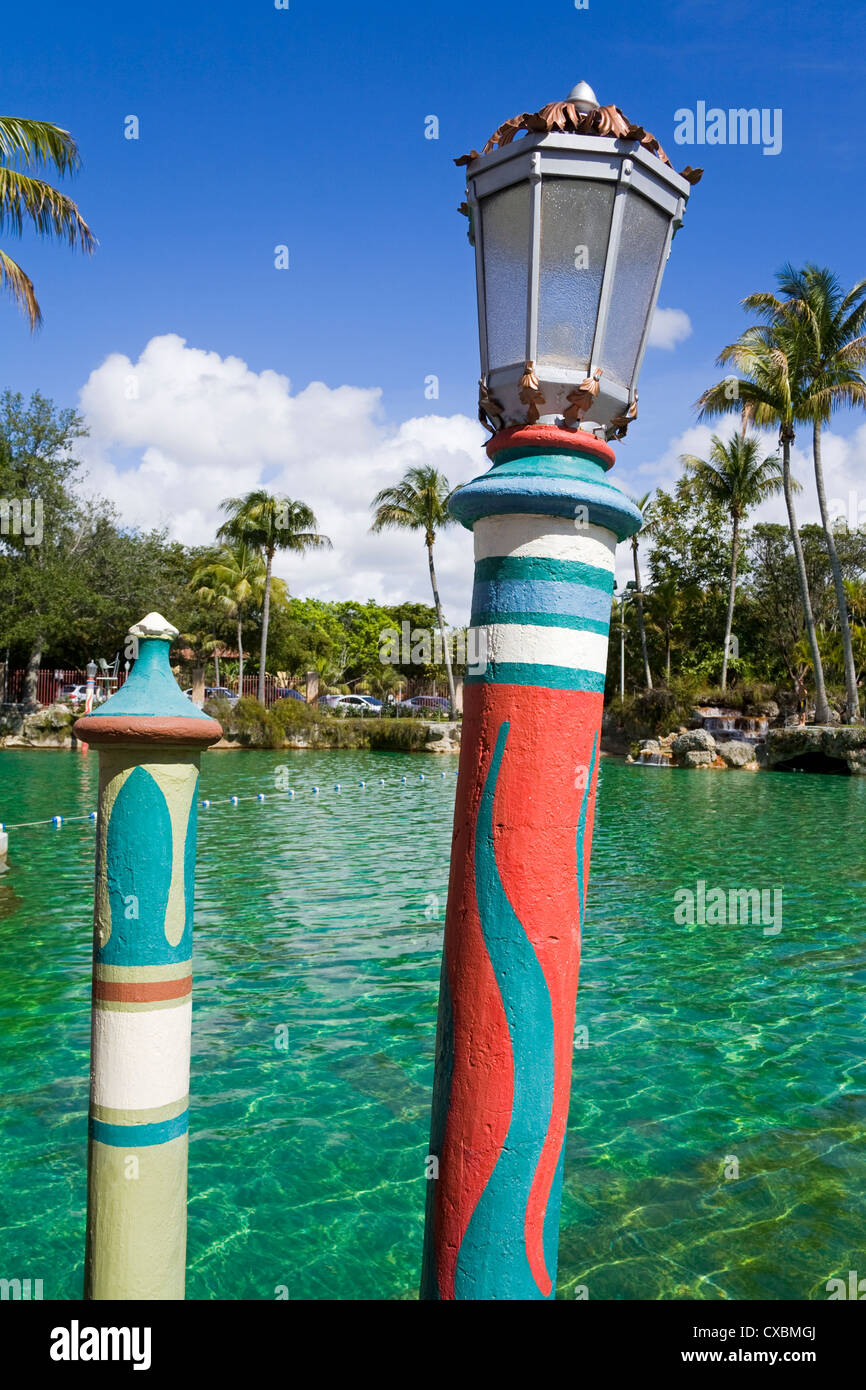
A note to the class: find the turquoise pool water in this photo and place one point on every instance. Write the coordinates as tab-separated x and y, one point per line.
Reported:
323	915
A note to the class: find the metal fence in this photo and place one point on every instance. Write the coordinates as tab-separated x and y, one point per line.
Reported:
13	684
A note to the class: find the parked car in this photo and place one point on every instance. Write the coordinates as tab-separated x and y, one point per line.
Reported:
426	704
328	701
357	704
77	695
286	692
217	692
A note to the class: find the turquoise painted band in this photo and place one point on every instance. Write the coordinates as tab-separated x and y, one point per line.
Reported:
527	569
139	1136
566	620
531	674
549	485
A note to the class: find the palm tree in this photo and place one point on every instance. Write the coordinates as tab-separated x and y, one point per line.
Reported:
270	524
645	530
419	502
665	606
232	579
384	682
738	479
27	199
773	388
832	323
330	670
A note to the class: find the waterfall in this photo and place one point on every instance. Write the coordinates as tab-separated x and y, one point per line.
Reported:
727	724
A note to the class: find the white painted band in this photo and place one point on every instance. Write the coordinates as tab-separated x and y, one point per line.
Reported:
544	537
140	1060
542	646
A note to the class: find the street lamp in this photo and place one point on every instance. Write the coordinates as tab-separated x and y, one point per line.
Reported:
571	225
90	671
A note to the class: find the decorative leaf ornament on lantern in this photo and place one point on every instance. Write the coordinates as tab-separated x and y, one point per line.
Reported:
572	225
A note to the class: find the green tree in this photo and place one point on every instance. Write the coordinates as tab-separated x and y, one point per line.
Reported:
26	147
774	388
642	505
665	605
737	478
270	524
232	579
43	526
419	502
688	545
831	324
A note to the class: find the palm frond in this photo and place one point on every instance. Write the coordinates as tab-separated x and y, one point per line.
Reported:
20	286
418	502
37	144
25	199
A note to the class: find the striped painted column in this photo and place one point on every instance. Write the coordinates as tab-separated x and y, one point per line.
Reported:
546	522
150	739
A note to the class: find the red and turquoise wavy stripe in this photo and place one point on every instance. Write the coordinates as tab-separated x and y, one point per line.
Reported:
493	1260
506	1031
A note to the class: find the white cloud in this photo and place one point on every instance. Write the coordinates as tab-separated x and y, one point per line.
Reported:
669	327
180	429
844	462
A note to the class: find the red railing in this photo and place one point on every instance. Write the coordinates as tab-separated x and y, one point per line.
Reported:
48	684
51	679
251	687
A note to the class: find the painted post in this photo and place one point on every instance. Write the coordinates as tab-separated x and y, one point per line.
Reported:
546	522
150	738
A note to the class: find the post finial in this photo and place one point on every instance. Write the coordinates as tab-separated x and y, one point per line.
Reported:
156	626
583	97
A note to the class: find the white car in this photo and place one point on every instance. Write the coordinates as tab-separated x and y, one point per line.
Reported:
77	695
217	692
357	704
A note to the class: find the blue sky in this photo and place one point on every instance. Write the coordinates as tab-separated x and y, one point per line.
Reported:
305	127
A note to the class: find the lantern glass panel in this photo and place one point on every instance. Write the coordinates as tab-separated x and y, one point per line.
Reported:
575	227
505	246
641	247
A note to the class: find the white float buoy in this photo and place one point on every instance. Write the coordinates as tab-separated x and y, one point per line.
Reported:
234	800
336	786
420	776
93	814
57	820
402	779
205	804
381	781
362	784
315	789
290	792
261	796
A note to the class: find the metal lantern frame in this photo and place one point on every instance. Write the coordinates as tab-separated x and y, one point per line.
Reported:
631	169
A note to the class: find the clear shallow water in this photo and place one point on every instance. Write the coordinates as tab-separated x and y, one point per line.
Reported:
325	916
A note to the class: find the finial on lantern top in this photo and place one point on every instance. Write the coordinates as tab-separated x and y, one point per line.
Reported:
583	97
